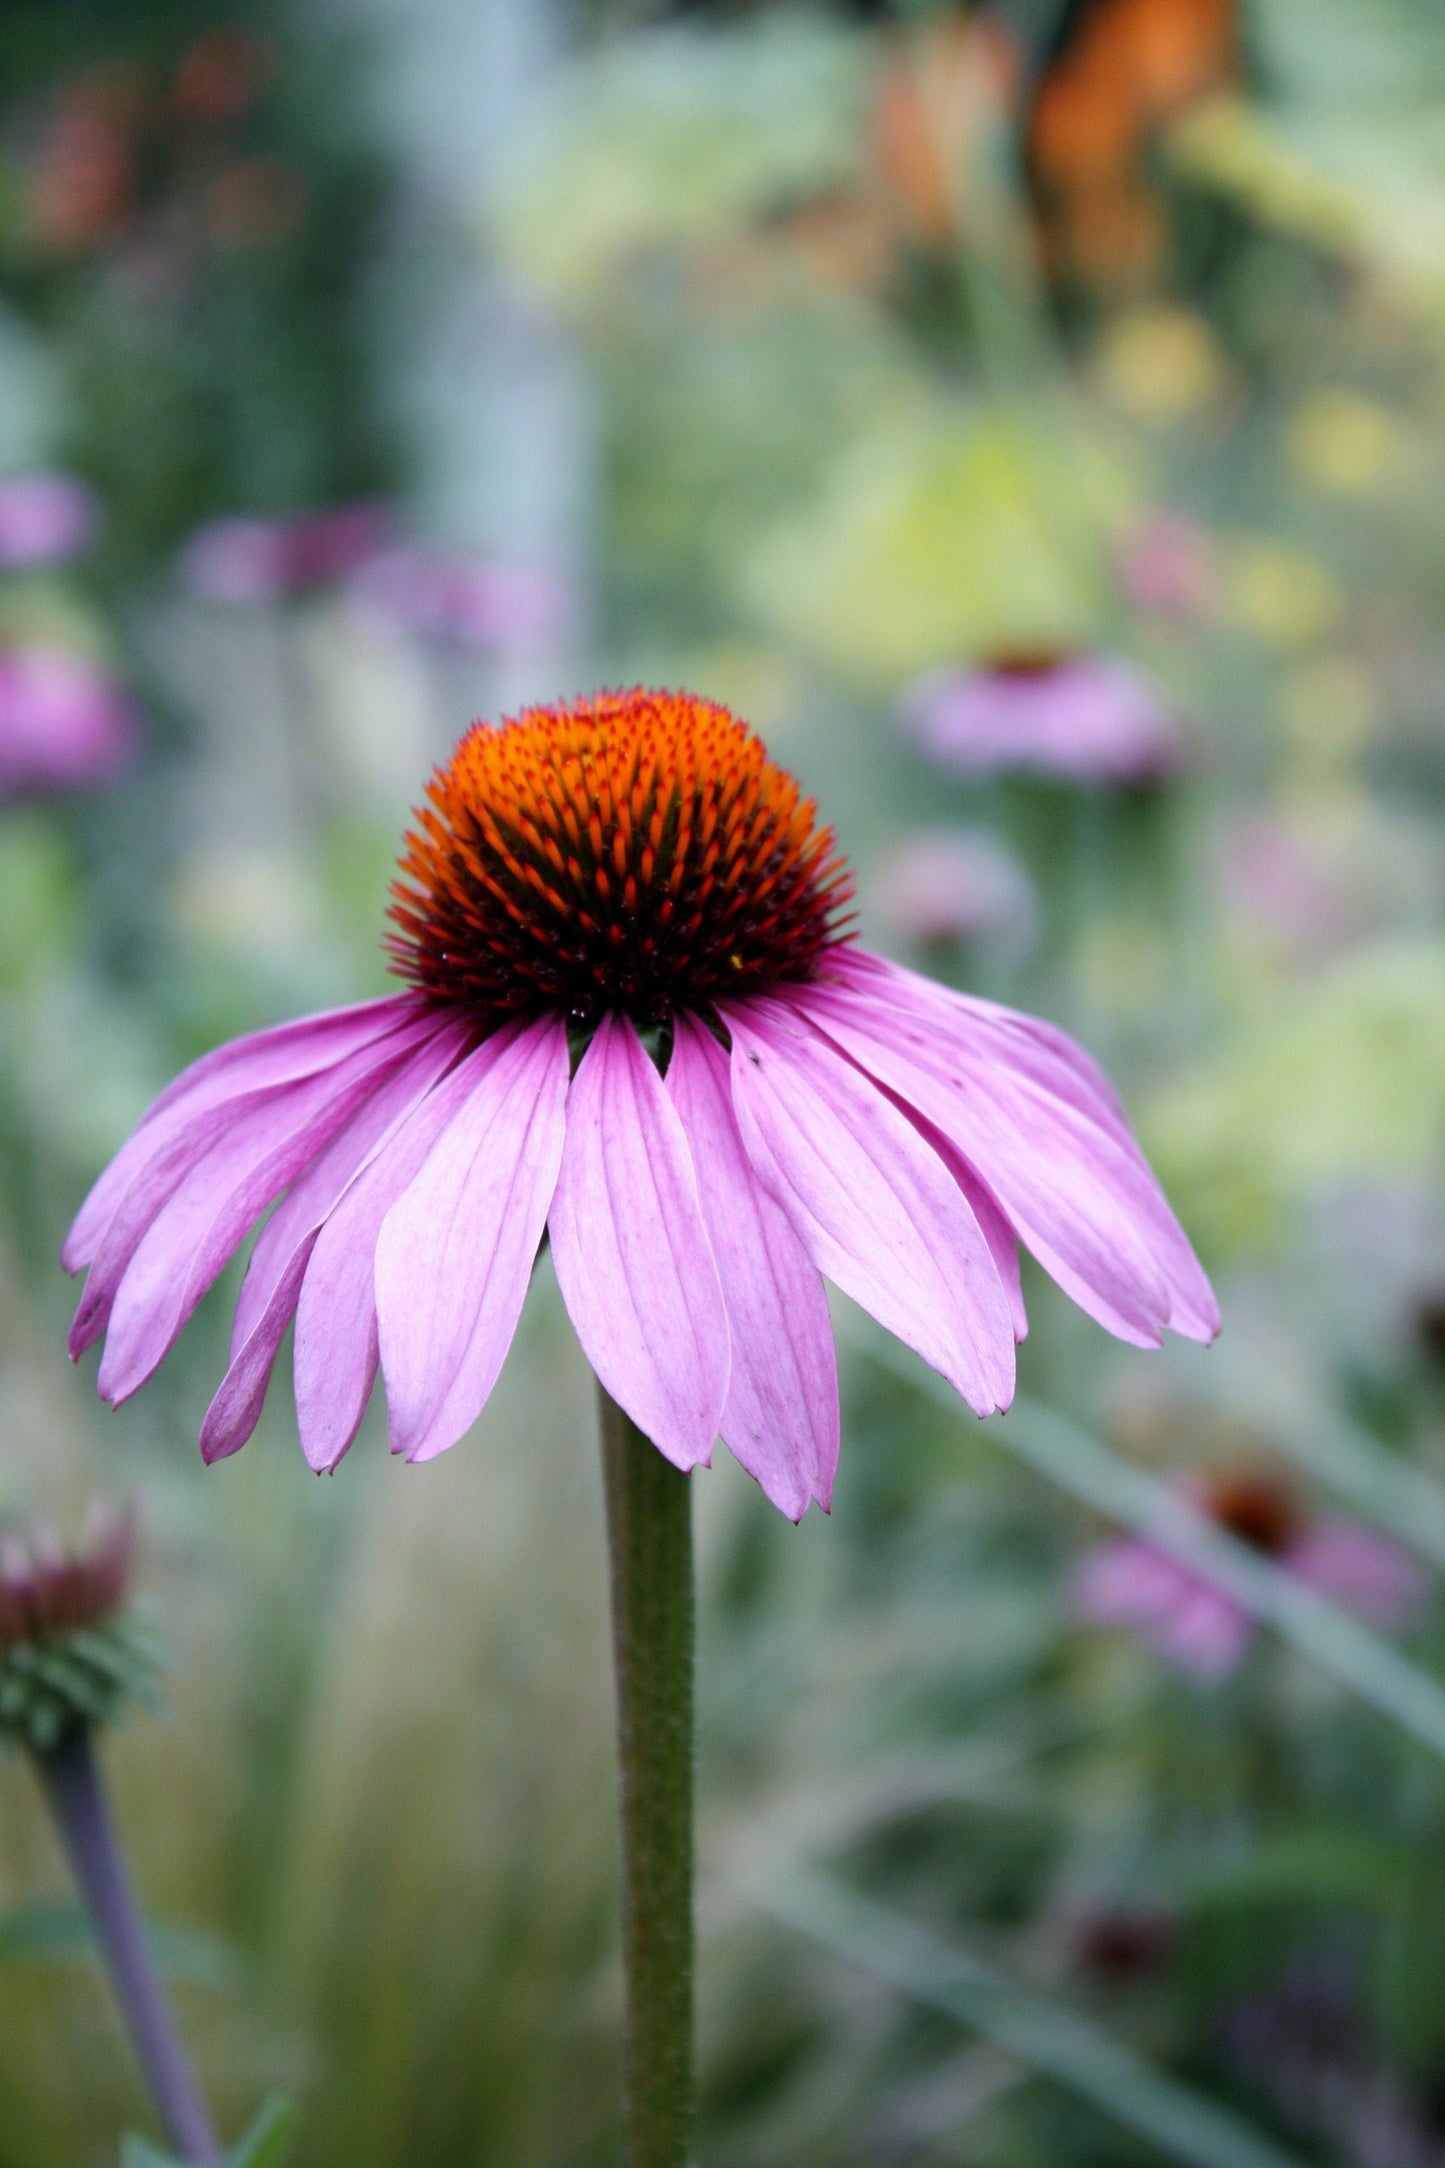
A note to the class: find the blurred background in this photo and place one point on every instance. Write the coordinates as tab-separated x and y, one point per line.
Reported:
1031	416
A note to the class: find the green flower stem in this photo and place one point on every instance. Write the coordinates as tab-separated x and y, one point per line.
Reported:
649	1529
70	1778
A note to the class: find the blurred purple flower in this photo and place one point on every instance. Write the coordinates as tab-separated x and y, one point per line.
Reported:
1169	566
1089	718
474	601
959	884
248	561
65	724
1205	1633
45	519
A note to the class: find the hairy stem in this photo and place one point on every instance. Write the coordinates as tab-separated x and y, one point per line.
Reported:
649	1529
70	1777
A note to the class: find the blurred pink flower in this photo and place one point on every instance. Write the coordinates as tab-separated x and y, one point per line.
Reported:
1281	884
959	884
248	561
1169	566
45	519
630	861
1205	1633
474	601
65	724
1088	718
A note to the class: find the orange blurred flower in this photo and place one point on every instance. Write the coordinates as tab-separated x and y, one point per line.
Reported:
1124	70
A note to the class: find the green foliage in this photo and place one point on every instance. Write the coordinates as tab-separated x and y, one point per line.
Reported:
87	1676
676	137
269	2141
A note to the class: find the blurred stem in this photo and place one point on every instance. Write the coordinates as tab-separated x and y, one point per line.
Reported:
649	1532
70	1778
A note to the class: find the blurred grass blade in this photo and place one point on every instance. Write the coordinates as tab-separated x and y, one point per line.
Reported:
1050	2039
1081	1464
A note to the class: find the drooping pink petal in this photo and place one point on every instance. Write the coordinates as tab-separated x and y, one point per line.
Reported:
278	1264
337	1346
871	1202
263	1060
309	1200
997	1232
202	1150
197	1230
455	1252
235	1409
1052	1171
780	1419
1041	1076
632	1256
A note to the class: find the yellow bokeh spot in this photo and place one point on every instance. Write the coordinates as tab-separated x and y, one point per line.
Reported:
1123	965
1348	444
1283	595
1329	709
1161	364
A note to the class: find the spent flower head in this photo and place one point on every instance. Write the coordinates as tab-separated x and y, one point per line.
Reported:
69	1658
635	1019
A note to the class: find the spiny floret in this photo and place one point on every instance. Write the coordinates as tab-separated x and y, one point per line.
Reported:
637	851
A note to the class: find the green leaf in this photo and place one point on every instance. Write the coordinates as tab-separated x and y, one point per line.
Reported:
270	2139
62	1933
266	2144
140	2153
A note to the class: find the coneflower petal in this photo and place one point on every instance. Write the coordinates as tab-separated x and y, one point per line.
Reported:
632	1256
195	1233
272	1286
1040	1073
872	1203
236	1406
1059	1178
311	1199
286	1054
455	1252
337	1348
781	1417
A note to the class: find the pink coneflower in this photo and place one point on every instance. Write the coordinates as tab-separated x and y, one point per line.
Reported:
65	724
1086	718
473	601
1203	1632
635	1019
959	884
245	562
45	519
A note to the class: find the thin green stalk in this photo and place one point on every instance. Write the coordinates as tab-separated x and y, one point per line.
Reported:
649	1531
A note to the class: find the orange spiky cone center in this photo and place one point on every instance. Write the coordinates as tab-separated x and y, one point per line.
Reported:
636	851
